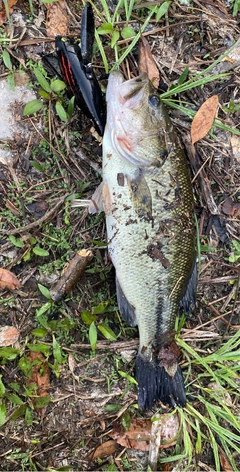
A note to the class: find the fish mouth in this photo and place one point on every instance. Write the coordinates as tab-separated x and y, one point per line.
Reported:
132	92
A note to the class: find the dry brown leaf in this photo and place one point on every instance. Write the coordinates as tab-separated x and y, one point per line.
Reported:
225	464
8	335
235	144
139	434
21	78
10	206
233	56
8	280
147	63
231	208
3	15
40	377
57	19
40	373
104	450
203	120
72	365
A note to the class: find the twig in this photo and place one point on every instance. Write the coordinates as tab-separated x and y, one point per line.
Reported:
36	223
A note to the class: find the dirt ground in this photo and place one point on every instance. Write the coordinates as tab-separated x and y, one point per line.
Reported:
48	162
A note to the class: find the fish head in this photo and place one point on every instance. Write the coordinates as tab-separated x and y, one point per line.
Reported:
135	119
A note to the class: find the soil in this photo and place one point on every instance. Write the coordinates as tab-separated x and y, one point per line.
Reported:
88	395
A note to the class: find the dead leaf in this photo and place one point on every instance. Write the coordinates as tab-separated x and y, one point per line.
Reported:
233	56
139	434
57	19
136	437
231	208
104	450
8	335
10	206
235	144
72	365
8	280
225	464
147	63
21	78
3	15
203	120
40	377
38	208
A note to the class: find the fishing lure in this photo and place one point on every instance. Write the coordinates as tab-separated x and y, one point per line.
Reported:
77	71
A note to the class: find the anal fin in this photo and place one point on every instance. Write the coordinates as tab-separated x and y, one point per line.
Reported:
189	296
127	311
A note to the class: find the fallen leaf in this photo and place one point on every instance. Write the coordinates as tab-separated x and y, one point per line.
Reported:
21	78
3	15
104	450
203	120
233	56
57	19
10	206
225	464
147	63
231	208
40	378
139	434
8	280
8	335
235	144
72	365
38	208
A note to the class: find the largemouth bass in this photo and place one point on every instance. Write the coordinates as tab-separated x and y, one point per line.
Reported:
147	197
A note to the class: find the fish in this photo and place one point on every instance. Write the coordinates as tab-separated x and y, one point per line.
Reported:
147	197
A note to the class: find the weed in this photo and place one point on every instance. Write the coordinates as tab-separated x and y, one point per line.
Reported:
210	414
235	252
235	5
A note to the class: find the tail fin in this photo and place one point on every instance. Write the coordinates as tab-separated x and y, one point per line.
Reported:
154	383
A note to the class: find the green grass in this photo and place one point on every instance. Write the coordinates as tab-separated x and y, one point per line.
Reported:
212	414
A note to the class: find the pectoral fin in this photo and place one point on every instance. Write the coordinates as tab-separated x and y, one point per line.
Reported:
127	311
141	196
100	200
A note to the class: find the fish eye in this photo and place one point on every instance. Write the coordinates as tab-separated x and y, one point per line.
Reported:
154	100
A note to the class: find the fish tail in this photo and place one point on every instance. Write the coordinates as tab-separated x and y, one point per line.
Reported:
154	383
